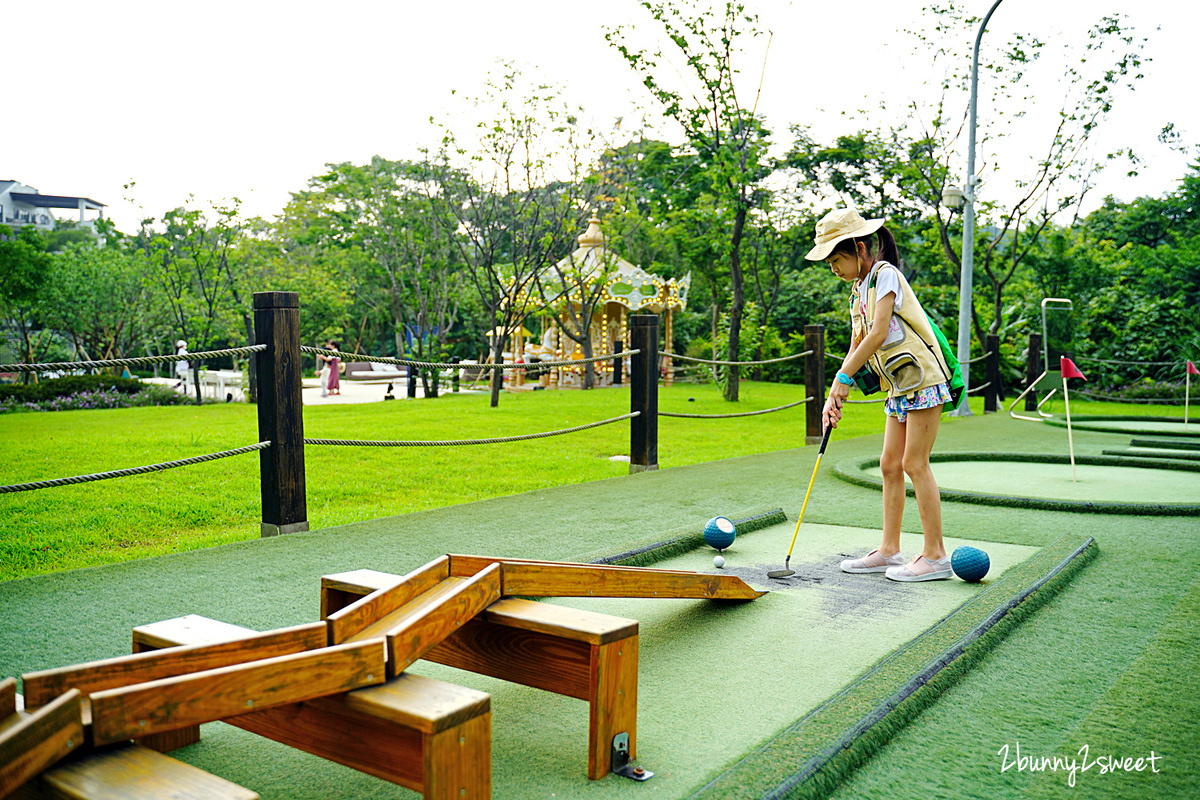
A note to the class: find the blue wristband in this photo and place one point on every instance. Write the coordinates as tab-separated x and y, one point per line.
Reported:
845	379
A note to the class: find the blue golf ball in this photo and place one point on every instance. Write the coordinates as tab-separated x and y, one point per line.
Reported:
970	563
719	532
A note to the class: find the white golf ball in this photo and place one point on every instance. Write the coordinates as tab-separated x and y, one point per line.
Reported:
718	561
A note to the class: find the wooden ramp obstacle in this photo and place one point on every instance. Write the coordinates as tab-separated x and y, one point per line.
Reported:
338	688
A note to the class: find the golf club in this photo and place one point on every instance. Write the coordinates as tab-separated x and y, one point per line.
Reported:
785	572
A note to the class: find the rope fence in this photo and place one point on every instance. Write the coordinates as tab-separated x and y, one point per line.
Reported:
463	442
740	414
129	362
1148	400
121	473
404	362
735	363
1132	363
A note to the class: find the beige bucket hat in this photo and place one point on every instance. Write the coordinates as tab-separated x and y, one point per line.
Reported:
839	224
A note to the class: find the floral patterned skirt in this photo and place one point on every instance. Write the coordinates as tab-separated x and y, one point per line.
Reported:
929	397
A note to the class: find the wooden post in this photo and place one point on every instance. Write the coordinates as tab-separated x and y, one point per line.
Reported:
411	371
991	395
618	368
280	413
669	346
1033	369
643	395
814	382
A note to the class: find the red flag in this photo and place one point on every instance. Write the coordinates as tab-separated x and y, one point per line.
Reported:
1069	370
1192	369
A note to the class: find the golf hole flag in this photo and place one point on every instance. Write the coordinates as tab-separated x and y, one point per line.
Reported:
1187	392
1069	370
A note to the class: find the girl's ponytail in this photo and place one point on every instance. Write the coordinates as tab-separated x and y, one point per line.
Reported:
887	246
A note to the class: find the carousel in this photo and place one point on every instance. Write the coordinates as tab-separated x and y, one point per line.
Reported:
627	289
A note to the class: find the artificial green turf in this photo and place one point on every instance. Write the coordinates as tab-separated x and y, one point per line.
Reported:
810	757
1110	636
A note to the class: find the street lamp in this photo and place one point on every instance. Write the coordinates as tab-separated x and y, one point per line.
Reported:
968	242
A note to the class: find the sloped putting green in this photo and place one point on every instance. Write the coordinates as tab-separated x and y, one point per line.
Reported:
719	678
1158	426
1114	485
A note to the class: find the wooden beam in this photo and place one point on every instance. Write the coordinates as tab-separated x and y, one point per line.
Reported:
39	739
171	703
111	673
415	627
8	697
528	578
352	619
133	772
418	635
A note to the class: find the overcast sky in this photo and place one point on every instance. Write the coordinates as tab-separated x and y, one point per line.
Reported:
250	99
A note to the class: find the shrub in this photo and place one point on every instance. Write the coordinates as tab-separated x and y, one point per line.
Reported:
110	397
67	386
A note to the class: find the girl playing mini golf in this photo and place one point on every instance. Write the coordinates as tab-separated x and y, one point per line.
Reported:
893	338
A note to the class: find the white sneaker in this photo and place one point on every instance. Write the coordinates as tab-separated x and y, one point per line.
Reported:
922	569
873	562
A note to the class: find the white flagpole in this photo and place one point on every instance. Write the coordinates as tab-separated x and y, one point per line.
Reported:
1070	438
1187	396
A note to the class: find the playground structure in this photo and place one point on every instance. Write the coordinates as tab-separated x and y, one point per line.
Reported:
338	688
624	289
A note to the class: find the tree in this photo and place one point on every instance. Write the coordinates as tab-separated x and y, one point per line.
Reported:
902	171
718	126
100	298
517	197
25	266
413	274
194	264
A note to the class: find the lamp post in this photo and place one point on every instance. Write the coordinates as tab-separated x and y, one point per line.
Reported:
968	242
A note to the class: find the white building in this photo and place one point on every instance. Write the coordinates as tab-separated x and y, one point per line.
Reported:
22	205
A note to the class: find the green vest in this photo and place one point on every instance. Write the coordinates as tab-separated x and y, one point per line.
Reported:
913	356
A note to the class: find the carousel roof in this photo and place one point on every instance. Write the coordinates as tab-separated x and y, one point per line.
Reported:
625	283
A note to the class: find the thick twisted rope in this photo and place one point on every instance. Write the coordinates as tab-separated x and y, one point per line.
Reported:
735	363
121	473
129	362
970	361
1131	363
404	362
461	442
1149	400
975	389
740	414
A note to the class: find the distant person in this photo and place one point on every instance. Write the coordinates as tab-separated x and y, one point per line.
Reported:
335	369
181	367
328	372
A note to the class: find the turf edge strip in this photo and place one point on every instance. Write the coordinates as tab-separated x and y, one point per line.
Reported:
860	725
853	471
683	540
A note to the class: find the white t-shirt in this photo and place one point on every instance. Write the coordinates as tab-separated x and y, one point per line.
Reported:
887	281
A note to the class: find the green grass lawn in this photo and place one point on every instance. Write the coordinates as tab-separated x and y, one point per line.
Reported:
218	502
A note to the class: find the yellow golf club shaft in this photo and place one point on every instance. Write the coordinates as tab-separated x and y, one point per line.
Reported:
811	481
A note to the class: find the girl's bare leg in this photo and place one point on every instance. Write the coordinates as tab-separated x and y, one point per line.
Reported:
891	465
922	429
